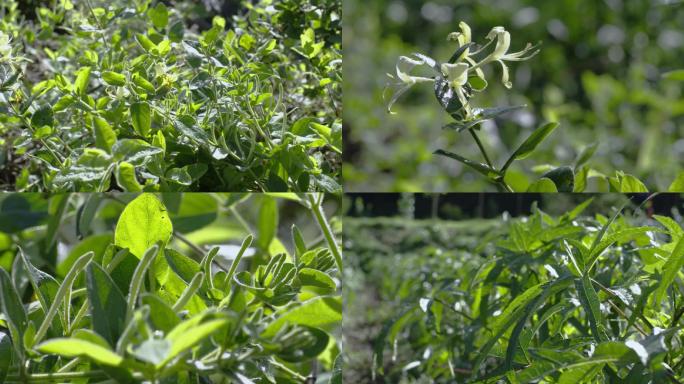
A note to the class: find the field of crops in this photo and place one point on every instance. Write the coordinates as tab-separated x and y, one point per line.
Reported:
608	72
587	294
170	96
170	288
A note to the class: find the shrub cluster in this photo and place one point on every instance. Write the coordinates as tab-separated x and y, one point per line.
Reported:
144	288
132	95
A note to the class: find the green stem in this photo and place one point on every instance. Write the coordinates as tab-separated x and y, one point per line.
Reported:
317	210
499	181
479	145
287	370
57	377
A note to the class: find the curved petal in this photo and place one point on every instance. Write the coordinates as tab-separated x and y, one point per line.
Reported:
401	89
463	37
404	65
503	43
504	75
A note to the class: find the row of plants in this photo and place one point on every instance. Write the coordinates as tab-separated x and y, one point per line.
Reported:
135	96
459	79
567	298
170	288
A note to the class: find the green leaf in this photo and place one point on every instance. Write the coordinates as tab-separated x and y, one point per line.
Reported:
268	222
143	223
188	334
104	134
186	125
530	144
5	355
479	84
678	183
563	177
543	185
604	229
517	309
63	292
42	117
140	116
607	352
107	304
188	292
298	241
141	82
671	268
44	286
185	267
337	370
134	151
63	103
319	312
389	333
137	281
590	302
196	211
577	369
126	179
159	15
13	310
313	278
162	317
81	82
58	205
631	184
152	351
85	214
673	228
626	234
145	42
586	154
95	243
113	78
309	46
179	176
479	167
71	347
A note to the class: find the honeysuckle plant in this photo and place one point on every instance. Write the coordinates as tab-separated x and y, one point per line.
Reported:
457	80
544	298
169	288
144	96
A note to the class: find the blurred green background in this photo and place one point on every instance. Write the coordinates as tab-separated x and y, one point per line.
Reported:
599	74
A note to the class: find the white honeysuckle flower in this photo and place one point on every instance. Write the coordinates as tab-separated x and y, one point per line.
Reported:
464	37
503	42
404	65
500	53
457	74
463	72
